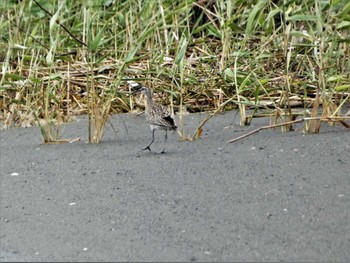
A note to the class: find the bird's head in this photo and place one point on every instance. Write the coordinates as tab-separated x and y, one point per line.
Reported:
144	90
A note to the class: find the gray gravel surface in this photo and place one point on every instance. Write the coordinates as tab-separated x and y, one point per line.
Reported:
272	196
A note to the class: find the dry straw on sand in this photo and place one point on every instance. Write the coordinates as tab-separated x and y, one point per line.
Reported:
65	58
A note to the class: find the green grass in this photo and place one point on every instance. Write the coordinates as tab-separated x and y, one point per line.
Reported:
63	58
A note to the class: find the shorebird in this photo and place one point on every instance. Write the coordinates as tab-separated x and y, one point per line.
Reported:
158	116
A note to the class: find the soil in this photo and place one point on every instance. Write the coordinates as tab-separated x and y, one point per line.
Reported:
273	196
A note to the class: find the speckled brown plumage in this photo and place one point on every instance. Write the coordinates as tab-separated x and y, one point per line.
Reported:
158	116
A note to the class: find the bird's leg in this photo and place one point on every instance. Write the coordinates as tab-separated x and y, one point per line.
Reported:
152	140
166	137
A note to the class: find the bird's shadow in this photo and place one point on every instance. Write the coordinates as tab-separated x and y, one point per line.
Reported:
146	153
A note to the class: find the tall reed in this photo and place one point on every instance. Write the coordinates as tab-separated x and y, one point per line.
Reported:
264	56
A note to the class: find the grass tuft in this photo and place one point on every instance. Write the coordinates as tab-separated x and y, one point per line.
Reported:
283	60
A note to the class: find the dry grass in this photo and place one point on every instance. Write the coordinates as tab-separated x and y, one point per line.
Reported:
61	59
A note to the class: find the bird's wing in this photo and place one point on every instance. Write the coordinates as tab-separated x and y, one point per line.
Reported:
169	120
160	116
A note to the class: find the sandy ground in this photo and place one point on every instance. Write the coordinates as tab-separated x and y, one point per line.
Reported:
271	197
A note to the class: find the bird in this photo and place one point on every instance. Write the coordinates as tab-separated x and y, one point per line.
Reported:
158	116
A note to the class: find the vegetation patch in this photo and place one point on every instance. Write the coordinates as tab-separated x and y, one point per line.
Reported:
279	59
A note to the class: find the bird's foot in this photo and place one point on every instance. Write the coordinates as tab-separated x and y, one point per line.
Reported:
147	148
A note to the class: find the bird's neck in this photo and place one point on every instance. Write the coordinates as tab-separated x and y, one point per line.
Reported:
149	100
